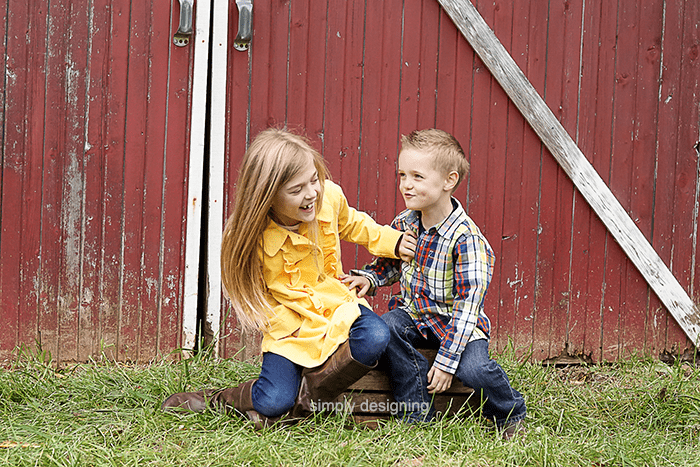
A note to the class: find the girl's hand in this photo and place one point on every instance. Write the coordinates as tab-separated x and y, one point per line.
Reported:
407	246
360	283
439	381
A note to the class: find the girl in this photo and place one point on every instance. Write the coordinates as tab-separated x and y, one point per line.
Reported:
281	270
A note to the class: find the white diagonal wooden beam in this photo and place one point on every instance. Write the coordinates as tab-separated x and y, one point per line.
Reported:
571	159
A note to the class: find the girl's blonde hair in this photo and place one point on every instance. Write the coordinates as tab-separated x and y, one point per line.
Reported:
274	157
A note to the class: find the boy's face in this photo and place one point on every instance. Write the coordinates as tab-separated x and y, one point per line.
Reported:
423	187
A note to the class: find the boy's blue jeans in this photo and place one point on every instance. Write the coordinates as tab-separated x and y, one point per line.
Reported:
277	387
408	372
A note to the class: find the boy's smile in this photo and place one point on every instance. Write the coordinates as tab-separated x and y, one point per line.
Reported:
295	202
423	187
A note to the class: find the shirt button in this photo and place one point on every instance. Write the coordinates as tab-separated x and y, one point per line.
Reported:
326	313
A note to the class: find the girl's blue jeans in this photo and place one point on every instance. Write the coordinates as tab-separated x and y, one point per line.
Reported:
408	371
278	384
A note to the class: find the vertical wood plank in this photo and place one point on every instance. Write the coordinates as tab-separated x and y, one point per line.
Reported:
237	135
479	154
135	184
111	285
343	106
55	310
150	284
378	127
643	177
492	224
175	181
595	120
622	158
16	175
89	332
381	110
667	130
517	277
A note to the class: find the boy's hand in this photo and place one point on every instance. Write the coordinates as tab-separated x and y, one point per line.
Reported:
360	283
407	247
439	380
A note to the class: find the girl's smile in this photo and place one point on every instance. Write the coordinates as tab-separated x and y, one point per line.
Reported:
295	202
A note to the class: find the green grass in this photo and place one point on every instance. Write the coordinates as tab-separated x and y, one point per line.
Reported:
633	413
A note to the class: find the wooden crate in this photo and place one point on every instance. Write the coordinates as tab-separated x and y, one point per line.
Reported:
370	399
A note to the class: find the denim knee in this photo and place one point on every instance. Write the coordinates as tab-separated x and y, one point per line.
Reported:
378	337
369	337
273	401
395	321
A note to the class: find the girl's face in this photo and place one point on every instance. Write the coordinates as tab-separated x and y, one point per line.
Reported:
295	202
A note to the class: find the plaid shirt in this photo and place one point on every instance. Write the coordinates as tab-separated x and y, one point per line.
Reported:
443	288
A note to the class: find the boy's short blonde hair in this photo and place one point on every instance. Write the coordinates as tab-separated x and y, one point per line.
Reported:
448	155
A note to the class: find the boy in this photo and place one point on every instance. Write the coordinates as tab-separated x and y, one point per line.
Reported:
442	290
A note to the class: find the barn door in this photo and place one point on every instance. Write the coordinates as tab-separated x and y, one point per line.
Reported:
356	75
95	144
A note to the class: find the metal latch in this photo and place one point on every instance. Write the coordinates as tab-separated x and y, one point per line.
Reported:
182	36
245	25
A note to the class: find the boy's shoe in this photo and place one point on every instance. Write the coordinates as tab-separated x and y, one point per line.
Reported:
511	430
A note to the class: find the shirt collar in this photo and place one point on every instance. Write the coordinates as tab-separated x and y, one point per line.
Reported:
275	235
444	228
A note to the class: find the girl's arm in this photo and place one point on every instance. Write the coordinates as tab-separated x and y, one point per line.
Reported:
358	227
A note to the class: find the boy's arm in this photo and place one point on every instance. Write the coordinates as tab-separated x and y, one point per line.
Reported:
380	272
473	269
387	271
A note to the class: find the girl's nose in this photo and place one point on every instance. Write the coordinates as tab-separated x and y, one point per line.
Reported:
310	192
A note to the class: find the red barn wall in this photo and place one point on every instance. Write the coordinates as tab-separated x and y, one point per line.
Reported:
95	109
95	118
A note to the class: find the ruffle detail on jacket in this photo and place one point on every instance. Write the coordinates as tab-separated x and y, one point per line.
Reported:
330	246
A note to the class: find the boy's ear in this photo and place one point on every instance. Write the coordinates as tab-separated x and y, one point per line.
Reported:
451	180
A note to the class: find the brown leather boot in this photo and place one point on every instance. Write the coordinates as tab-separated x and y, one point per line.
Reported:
226	400
326	382
237	400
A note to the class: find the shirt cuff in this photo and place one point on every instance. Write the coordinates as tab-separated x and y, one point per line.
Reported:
447	361
372	282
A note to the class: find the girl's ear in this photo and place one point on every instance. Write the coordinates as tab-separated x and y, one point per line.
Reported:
451	181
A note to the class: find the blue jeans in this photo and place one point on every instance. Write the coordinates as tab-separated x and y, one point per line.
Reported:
408	372
275	391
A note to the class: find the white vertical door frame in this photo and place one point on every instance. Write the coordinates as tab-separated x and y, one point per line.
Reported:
203	66
196	174
217	151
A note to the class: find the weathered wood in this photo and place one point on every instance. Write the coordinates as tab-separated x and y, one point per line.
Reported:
574	163
370	398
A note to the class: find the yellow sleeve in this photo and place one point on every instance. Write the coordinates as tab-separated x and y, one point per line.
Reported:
358	227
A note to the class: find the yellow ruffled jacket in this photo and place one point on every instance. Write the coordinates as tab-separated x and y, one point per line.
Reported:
313	310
